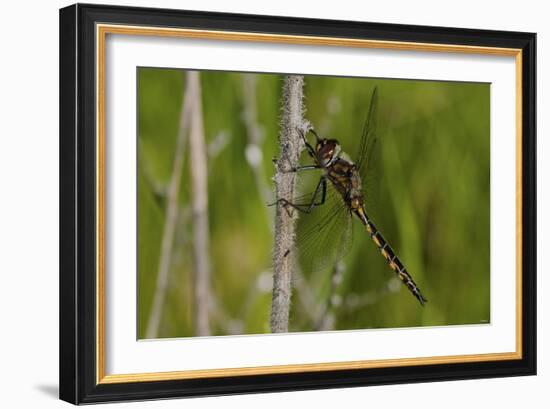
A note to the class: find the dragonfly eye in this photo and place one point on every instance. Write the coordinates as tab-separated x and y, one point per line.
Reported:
327	149
320	145
334	147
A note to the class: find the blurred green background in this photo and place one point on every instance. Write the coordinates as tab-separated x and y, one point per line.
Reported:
431	197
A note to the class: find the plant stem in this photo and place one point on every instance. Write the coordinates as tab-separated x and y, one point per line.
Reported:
171	212
199	185
291	145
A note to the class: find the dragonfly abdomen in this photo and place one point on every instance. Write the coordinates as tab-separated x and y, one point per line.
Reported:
393	261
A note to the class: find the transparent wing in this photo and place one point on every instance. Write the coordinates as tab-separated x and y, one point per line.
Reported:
368	156
368	135
324	236
372	179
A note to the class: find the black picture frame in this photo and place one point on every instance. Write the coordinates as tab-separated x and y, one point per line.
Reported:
78	359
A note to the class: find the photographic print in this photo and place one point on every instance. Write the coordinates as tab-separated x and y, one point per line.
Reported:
263	203
296	203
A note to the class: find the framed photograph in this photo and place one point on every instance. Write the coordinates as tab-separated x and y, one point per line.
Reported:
257	203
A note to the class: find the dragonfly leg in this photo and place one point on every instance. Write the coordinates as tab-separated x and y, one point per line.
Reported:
308	207
310	151
314	133
306	167
300	168
309	147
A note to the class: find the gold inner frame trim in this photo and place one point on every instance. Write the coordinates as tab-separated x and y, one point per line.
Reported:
101	33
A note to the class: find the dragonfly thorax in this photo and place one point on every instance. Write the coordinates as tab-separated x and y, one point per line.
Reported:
326	151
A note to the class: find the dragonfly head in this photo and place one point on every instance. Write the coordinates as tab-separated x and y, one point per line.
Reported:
327	150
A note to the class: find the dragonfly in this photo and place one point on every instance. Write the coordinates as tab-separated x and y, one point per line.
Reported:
340	192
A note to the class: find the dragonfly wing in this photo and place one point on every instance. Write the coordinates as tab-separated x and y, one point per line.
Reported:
324	236
372	179
368	134
368	156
